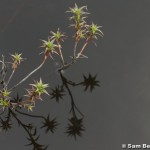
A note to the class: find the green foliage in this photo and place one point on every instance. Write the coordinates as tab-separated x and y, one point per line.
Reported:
58	36
6	93
4	103
17	58
15	106
40	87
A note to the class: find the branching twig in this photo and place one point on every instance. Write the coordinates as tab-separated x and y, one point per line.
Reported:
64	80
83	48
31	73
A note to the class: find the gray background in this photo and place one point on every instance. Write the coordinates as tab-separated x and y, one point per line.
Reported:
116	113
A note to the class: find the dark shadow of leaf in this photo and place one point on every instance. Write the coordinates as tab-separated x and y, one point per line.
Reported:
50	125
90	82
57	93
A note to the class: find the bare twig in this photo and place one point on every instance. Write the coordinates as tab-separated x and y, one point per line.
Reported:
31	73
9	78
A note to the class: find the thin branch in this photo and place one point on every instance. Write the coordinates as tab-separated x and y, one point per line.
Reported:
25	114
61	55
24	79
3	71
71	96
75	48
76	57
9	78
74	84
81	51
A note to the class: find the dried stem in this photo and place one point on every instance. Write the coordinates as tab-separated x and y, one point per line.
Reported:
3	71
75	48
25	78
9	78
61	55
81	51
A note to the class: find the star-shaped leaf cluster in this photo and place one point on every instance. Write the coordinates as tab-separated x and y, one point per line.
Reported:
40	87
57	93
50	125
17	98
78	14
5	125
57	36
94	30
90	82
75	127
